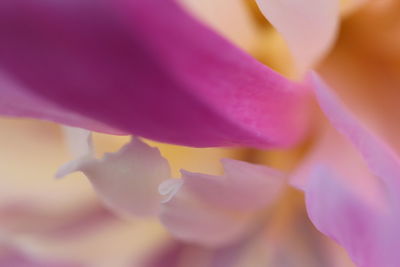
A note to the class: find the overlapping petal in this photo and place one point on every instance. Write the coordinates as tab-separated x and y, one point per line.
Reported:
144	67
309	27
216	211
363	222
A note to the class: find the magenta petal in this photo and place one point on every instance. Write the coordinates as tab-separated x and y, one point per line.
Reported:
17	101
148	68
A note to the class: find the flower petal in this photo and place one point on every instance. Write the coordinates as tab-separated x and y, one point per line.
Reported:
16	101
11	255
216	211
148	68
78	141
381	160
338	213
367	229
190	220
127	181
244	186
309	27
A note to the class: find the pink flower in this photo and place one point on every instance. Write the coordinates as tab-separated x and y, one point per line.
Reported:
149	68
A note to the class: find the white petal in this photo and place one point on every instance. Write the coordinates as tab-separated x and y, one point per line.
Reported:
79	141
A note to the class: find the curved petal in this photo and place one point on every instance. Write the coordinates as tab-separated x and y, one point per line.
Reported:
309	27
381	160
127	181
148	68
195	221
16	101
244	186
338	213
215	211
366	225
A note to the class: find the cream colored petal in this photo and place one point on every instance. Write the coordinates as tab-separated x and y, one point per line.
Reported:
308	26
127	180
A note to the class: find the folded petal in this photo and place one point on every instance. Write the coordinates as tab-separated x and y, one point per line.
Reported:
216	211
148	68
127	180
309	27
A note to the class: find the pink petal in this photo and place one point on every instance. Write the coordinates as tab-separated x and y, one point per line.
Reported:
309	27
127	180
338	213
175	253
12	257
244	186
381	160
334	150
195	221
367	229
148	68
216	211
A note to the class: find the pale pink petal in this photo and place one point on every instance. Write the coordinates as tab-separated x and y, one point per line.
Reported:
338	213
308	26
366	225
11	256
215	211
30	219
169	188
196	221
244	186
336	151
127	180
381	160
175	253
